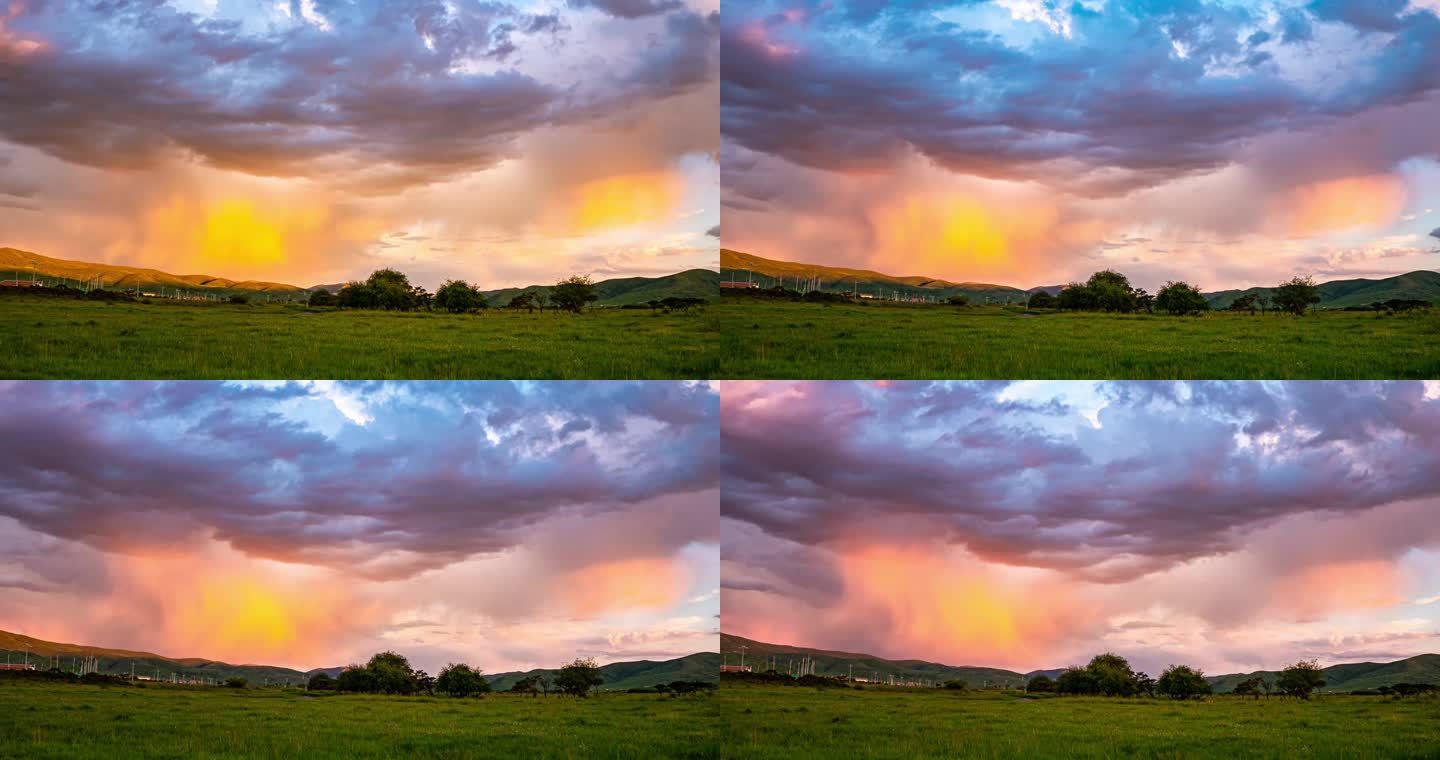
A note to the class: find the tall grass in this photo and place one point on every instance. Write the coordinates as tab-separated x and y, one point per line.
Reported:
40	720
797	722
761	339
61	338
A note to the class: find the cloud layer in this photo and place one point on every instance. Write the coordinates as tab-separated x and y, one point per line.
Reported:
1239	513
336	517
1202	127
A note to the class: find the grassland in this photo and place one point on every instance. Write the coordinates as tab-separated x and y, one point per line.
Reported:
51	338
769	339
40	720
796	722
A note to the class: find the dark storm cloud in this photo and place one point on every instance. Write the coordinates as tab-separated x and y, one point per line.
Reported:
440	472
628	8
1112	107
1172	472
384	94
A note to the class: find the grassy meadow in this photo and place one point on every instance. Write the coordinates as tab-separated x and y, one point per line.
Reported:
53	338
790	722
769	339
44	720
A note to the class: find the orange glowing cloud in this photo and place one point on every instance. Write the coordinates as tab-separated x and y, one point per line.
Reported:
1364	202
954	608
1339	587
955	233
624	201
640	583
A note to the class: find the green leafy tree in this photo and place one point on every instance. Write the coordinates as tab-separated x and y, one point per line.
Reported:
1042	300
579	677
460	680
1077	297
527	685
574	293
1296	295
1250	687
323	297
524	301
392	673
1076	680
1179	298
1246	302
1041	684
1182	682
356	678
424	682
1112	675
321	682
358	295
459	297
1112	291
1300	679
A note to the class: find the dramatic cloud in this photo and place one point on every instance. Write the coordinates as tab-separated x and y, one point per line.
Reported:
1059	514
301	523
1097	117
369	112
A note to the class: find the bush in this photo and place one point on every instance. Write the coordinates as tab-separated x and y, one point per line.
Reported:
239	299
236	682
321	682
1040	684
323	297
955	684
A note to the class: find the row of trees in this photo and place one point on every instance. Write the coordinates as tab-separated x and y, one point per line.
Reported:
1110	675
391	673
391	290
1111	291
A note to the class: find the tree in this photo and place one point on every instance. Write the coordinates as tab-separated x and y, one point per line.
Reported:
1246	302
421	298
1180	298
460	680
1042	300
1263	301
955	684
1076	297
1300	679
1112	675
1075	680
236	682
1144	301
323	297
1112	291
424	682
526	301
392	290
1250	687
573	293
357	295
579	677
1144	684
459	297
392	673
527	685
959	299
321	682
1040	684
355	679
1182	682
1296	295
240	299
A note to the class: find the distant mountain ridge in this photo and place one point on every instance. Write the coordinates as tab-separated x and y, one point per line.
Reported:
1422	285
702	666
1424	668
692	283
15	263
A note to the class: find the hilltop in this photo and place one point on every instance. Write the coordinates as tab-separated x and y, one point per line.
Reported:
1421	285
692	283
1423	668
703	666
746	266
15	263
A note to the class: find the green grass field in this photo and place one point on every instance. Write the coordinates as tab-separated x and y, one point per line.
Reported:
800	722
42	720
766	339
49	338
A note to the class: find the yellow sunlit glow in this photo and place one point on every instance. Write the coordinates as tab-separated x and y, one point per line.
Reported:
1344	204
233	232
623	584
625	200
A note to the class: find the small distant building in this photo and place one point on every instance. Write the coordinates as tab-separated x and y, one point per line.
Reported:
734	668
16	666
21	284
739	284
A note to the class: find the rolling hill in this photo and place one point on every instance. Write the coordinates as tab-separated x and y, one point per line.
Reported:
1423	668
1337	294
15	263
738	266
702	666
692	283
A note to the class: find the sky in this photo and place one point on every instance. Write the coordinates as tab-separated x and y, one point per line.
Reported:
1032	142
1229	526
505	525
505	143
